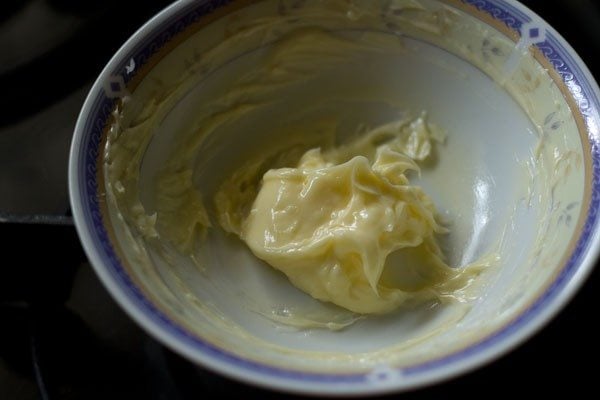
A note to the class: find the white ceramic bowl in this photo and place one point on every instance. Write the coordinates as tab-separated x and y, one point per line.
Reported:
519	174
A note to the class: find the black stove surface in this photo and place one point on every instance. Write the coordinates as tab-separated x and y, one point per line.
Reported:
61	334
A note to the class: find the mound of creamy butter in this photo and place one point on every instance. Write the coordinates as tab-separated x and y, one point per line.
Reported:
331	222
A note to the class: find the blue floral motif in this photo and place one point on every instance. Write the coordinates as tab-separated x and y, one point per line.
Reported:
499	12
566	215
549	51
488	49
551	123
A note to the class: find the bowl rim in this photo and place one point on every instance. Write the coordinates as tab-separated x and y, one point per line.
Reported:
84	197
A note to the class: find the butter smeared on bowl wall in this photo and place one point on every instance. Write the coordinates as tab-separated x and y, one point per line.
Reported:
296	177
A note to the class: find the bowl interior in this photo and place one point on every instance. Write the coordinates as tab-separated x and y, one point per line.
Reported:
510	178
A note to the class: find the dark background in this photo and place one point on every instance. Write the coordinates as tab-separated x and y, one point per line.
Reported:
62	336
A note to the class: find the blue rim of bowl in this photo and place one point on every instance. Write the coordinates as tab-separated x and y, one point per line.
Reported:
84	162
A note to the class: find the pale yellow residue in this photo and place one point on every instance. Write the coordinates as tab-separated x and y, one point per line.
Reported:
334	320
343	223
181	217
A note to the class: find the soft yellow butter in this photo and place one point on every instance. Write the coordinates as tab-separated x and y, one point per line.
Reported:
330	222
